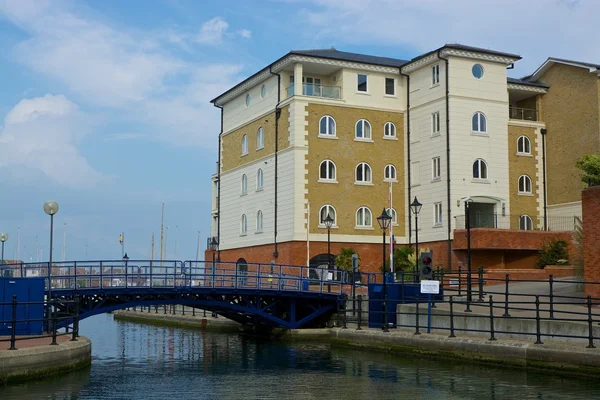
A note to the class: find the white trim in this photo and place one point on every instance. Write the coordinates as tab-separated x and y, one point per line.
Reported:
547	64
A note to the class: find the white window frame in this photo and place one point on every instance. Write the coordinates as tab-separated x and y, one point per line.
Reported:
385	87
435	123
244	184
438	217
389	127
526	143
263	91
248	99
525	179
244	145
244	225
525	223
390	167
259	221
329	210
364	123
436	168
260	180
364	166
366	83
328	178
260	138
362	222
480	116
327	132
481	162
435	75
394	215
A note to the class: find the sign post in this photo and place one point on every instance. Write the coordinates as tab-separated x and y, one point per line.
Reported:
429	288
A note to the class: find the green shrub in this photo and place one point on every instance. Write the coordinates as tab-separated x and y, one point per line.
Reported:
553	252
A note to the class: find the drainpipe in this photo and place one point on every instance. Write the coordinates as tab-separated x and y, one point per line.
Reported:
219	187
408	163
543	131
277	116
449	207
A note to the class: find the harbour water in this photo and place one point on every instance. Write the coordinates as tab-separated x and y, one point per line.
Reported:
137	361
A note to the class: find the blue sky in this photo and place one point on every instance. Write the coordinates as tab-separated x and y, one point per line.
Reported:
105	107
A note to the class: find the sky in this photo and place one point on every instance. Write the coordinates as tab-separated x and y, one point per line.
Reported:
105	105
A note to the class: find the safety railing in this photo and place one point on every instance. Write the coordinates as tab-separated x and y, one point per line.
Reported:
526	114
54	318
519	222
314	90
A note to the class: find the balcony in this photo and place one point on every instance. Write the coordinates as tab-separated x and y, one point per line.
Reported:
524	114
322	91
516	222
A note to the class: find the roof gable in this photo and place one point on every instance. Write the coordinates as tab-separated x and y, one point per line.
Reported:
551	61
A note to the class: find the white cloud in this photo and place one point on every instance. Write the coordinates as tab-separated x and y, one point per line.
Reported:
42	134
212	31
245	33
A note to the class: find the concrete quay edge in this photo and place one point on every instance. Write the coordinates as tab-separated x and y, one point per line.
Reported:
39	362
198	321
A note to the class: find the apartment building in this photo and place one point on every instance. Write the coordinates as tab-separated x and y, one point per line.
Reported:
325	132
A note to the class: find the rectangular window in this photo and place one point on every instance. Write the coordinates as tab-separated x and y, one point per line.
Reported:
437	214
435	123
435	75
390	86
362	83
415	173
436	171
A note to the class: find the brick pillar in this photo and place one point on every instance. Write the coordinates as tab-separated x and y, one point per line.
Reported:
590	203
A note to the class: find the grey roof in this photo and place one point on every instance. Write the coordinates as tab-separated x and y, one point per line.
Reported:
590	65
334	54
457	46
524	81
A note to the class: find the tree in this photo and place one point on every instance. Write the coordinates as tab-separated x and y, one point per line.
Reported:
553	253
590	166
404	260
343	260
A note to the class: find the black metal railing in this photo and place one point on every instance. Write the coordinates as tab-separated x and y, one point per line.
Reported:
519	222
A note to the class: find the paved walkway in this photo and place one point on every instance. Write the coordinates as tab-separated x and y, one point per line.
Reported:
22	341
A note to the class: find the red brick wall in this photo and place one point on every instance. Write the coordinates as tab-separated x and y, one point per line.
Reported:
590	203
504	239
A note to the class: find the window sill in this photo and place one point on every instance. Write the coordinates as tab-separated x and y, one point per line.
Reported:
363	140
482	134
327	137
243	234
321	226
258	232
436	226
436	134
364	228
438	179
391	96
434	85
327	181
391	180
363	93
484	181
243	154
415	184
244	194
259	189
525	194
390	138
524	154
260	148
364	183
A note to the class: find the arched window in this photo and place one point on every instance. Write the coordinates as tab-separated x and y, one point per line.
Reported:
327	209
363	129
244	184
393	214
479	122
327	126
523	145
389	130
260	138
327	170
244	223
389	173
259	179
363	217
244	144
480	170
259	221
525	223
524	184
363	173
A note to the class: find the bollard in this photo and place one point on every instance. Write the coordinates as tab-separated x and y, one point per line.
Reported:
590	330
13	323
459	282
165	308
480	273
538	334
203	313
155	309
451	317
492	333
359	322
345	326
417	317
193	311
76	320
506	314
53	328
551	282
182	310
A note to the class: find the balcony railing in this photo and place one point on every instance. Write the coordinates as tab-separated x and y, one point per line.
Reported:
323	91
525	114
515	222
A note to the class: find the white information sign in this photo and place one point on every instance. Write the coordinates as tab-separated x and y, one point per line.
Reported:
430	287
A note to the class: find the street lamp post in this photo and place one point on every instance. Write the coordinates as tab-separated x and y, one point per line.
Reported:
415	207
384	222
3	238
468	227
214	245
328	223
50	208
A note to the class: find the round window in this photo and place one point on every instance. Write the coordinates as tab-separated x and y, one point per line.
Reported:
477	71
247	100
263	91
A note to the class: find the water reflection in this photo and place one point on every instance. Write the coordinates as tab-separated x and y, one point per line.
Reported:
133	361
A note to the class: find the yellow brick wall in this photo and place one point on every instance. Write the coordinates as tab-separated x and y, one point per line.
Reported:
346	153
522	165
232	141
571	112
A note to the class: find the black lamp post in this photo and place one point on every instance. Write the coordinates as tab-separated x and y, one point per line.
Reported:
3	238
468	227
126	259
384	222
214	245
415	208
328	224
